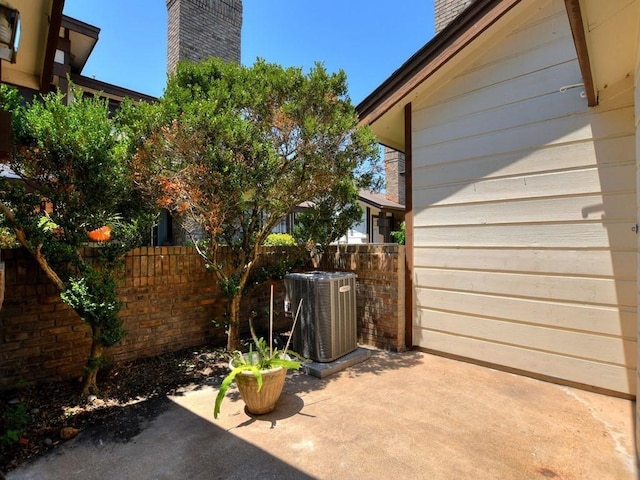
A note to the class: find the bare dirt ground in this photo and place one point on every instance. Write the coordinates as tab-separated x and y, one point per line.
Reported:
35	419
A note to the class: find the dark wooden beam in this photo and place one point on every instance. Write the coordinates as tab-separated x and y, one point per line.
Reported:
580	40
408	223
55	20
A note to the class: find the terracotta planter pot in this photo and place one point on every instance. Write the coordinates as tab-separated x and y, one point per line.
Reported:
263	401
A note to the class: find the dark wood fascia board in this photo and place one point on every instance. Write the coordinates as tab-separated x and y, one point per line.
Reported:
380	206
110	89
580	40
465	28
80	27
55	20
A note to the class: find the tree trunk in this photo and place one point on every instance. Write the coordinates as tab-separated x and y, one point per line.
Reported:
233	338
89	385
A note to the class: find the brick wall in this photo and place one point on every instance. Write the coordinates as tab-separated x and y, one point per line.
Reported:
380	290
171	302
394	175
198	29
447	10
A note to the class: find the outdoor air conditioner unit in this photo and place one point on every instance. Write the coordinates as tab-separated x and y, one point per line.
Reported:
326	326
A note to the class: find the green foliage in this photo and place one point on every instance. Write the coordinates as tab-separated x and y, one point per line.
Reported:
7	235
279	240
234	149
277	269
93	297
400	235
332	213
8	238
230	285
15	421
10	99
75	157
74	161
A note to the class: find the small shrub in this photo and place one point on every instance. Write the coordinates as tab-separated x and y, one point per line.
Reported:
8	239
279	240
399	236
16	419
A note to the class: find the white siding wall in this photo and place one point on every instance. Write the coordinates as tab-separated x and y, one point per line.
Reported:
524	201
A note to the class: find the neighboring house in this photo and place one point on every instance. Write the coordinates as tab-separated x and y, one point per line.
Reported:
383	213
520	126
53	46
381	216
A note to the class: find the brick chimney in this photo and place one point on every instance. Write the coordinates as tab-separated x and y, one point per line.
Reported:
198	29
394	173
447	10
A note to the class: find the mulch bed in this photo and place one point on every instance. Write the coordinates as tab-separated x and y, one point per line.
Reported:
48	412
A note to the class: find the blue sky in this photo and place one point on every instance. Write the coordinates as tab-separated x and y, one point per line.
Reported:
368	39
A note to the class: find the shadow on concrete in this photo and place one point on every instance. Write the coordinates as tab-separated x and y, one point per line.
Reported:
170	442
288	406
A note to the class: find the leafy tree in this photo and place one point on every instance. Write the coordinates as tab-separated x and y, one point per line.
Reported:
400	235
234	149
330	216
280	240
75	177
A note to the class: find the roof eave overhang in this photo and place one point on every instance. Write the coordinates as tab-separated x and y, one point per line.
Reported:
90	34
380	206
468	26
109	90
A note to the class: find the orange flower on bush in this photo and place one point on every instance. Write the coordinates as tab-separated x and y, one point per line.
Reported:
102	234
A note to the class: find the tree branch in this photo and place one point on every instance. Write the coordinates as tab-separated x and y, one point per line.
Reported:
36	252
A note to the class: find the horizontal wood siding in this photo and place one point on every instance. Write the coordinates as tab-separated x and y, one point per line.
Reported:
524	202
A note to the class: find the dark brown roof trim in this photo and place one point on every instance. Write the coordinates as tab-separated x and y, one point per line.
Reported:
391	206
110	89
55	19
465	28
580	41
80	27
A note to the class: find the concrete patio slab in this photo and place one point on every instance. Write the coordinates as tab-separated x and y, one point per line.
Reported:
408	415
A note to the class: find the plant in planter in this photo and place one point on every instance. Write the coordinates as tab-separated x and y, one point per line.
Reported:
259	374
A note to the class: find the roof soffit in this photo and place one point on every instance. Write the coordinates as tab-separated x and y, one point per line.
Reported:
83	38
